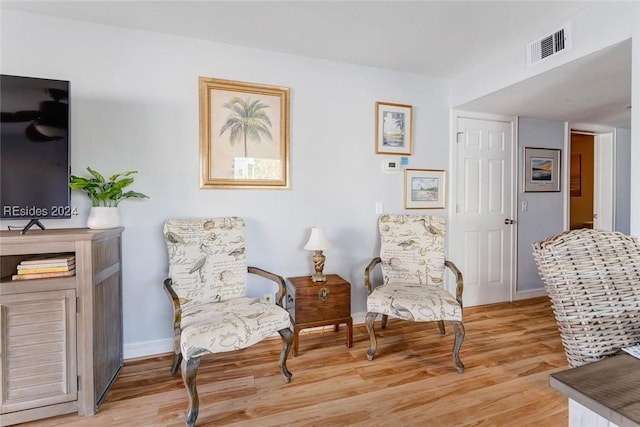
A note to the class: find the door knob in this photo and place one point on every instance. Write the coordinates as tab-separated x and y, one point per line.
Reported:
509	221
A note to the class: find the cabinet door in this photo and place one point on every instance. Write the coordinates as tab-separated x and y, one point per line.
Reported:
38	348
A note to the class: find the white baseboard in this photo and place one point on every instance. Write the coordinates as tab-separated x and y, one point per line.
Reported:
533	293
358	318
147	348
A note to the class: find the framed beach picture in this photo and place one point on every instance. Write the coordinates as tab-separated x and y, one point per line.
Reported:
541	169
424	189
244	135
394	128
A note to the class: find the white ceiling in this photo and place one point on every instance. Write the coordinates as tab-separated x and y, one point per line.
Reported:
592	90
434	38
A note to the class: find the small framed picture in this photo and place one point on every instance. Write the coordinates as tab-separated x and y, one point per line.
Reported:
541	170
394	128
424	189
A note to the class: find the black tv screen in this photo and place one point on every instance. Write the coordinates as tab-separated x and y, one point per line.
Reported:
34	148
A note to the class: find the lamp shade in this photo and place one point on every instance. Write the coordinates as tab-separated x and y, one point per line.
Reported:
318	240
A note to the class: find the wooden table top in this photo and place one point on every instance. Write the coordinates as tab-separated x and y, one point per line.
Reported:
302	281
609	387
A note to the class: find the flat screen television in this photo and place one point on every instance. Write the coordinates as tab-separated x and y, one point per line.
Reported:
34	148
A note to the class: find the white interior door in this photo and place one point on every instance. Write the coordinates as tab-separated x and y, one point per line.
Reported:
483	225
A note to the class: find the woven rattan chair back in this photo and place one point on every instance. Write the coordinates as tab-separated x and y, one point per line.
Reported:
593	280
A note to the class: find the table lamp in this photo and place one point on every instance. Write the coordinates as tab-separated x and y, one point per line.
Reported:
318	242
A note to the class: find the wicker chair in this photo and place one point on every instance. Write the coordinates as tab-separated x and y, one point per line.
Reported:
593	280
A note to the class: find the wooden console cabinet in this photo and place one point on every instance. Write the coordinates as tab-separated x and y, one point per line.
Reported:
60	338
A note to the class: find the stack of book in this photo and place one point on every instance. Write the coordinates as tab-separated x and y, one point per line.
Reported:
46	267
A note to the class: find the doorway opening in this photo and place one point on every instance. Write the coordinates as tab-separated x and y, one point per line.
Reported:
581	180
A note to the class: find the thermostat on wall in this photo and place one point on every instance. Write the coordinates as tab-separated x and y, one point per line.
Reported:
390	165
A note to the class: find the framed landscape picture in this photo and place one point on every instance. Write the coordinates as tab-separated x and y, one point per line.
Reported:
394	128
541	170
424	189
244	135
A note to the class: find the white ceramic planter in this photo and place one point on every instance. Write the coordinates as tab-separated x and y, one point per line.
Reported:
101	218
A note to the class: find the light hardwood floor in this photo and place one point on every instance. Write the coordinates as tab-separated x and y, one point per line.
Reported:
509	351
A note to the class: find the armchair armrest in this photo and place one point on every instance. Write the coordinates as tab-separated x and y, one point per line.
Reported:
279	280
459	280
367	273
177	310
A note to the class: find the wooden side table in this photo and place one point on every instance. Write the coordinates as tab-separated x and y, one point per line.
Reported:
313	304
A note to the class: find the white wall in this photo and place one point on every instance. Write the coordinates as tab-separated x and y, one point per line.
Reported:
596	26
545	211
134	105
622	180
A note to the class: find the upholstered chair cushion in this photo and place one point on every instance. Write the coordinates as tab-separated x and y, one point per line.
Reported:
207	260
420	303
412	249
229	325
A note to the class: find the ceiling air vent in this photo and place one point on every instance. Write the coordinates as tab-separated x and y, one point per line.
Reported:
545	47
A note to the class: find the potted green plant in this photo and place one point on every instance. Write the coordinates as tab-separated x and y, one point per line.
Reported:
105	195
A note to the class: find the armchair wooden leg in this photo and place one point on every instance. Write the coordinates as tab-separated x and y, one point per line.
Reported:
287	339
189	372
458	328
441	327
177	360
370	319
384	321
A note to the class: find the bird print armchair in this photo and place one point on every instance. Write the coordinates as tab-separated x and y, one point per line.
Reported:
413	265
211	310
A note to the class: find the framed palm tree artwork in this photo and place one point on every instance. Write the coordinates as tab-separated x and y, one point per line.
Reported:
244	135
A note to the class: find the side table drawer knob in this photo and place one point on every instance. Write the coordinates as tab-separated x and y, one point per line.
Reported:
323	294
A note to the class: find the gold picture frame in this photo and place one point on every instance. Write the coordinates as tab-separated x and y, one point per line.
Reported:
424	189
236	152
394	128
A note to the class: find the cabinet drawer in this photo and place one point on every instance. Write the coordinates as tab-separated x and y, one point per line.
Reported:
313	302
